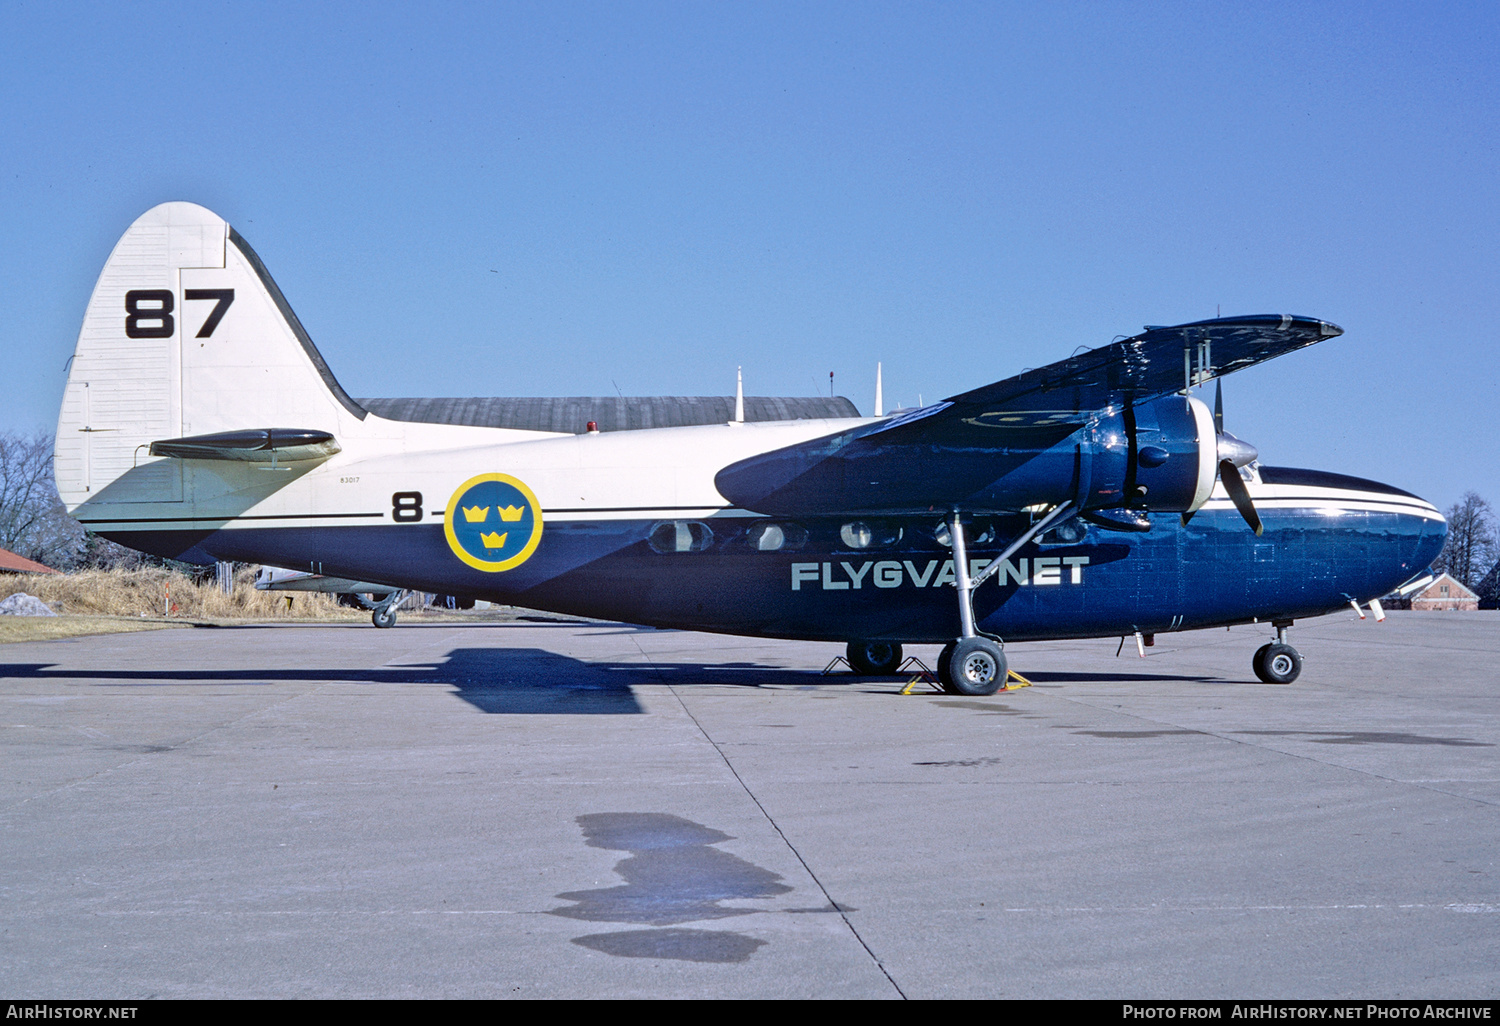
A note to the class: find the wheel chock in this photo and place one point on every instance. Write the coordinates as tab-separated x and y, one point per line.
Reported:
922	674
1009	674
834	665
925	675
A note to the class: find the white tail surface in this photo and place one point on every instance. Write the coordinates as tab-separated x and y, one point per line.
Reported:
185	334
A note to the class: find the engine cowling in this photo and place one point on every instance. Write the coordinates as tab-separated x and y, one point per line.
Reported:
1157	456
1160	456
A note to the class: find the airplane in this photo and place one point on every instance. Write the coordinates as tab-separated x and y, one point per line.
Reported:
1092	497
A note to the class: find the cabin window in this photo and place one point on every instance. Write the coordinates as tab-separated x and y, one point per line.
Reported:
773	537
681	536
863	534
1070	533
976	532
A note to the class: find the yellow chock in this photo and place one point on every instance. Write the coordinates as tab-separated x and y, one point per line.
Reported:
923	675
1009	674
926	676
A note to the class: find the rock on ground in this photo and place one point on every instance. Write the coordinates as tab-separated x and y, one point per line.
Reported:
22	604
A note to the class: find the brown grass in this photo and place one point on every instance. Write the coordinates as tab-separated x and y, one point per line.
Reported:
50	628
145	592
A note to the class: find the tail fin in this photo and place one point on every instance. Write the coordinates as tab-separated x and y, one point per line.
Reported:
185	334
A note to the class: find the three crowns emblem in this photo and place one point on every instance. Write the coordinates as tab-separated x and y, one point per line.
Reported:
493	522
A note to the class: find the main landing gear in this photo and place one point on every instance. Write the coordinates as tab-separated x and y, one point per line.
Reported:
1278	662
974	664
874	658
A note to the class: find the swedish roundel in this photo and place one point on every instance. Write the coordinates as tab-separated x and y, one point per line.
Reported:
494	522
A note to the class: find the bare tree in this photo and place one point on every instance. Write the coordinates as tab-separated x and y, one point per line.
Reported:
33	521
1472	545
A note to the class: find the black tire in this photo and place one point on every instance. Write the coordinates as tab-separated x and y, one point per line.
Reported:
976	666
1277	663
874	658
942	667
383	617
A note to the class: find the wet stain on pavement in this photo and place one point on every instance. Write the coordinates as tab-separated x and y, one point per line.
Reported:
1370	737
1123	734
673	875
676	943
984	707
988	760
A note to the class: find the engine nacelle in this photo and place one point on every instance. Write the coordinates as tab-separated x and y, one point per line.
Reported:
1160	455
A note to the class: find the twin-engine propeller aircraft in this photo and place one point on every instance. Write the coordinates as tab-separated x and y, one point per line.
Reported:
1093	497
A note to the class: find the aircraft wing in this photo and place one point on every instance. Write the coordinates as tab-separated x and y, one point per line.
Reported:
1157	361
954	451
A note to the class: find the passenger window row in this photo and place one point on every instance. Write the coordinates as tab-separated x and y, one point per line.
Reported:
853	535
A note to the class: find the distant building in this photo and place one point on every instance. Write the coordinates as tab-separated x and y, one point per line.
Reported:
10	563
1445	593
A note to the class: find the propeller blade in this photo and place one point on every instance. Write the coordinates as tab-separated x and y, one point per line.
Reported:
1240	495
1218	406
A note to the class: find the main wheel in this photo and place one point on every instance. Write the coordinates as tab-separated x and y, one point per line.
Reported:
874	658
1277	663
384	616
944	678
976	666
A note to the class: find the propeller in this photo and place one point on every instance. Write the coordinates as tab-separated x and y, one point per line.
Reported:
1233	454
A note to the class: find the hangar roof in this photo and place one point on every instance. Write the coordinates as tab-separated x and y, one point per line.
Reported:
611	413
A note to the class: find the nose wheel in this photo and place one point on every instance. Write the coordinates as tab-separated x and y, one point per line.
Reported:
1278	662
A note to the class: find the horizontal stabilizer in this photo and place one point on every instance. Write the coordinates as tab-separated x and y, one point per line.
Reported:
261	445
275	579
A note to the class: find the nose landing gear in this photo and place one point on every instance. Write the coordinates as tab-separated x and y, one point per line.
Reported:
1278	662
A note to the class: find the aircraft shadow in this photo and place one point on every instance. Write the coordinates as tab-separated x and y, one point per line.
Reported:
522	681
511	681
1075	677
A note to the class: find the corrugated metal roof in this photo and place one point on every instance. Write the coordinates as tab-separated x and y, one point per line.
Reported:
611	413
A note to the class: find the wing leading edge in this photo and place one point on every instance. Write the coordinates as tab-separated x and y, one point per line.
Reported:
1157	361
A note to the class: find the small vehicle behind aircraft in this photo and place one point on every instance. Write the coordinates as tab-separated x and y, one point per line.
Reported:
1093	497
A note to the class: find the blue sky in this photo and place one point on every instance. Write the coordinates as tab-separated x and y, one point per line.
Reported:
566	199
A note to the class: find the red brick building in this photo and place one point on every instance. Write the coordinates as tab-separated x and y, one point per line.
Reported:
1445	593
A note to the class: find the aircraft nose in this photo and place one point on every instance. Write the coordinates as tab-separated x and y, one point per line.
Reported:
1430	542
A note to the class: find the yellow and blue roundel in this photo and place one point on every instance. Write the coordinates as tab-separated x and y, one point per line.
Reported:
494	522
